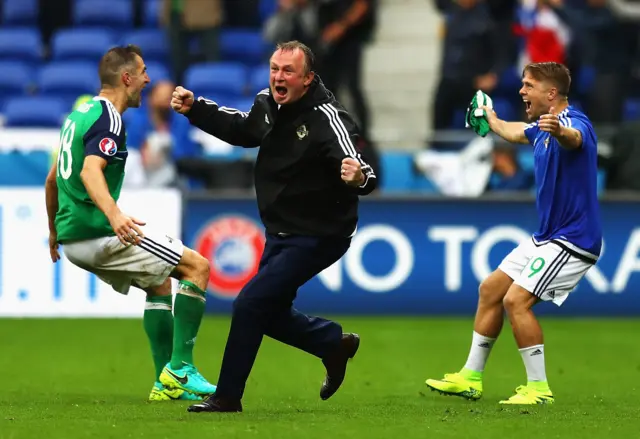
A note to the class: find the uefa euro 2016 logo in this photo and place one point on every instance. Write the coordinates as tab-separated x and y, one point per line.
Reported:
233	244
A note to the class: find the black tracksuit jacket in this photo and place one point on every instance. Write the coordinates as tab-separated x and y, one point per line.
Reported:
297	173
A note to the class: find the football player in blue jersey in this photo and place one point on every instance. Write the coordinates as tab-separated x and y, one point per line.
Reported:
549	265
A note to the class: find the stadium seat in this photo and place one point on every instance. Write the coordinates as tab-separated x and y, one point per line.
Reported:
151	13
114	14
220	80
16	79
68	80
631	109
19	13
259	79
153	43
81	44
526	159
21	44
509	82
267	9
243	45
34	111
504	109
398	172
586	76
157	71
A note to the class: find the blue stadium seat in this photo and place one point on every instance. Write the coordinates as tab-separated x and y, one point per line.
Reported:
68	80
114	14
81	44
585	79
153	43
526	159
23	44
631	109
398	172
267	8
16	79
20	13
243	45
220	80
504	109
151	13
34	111
259	78
157	71
509	82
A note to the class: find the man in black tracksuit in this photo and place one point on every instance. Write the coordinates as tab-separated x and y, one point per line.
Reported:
308	177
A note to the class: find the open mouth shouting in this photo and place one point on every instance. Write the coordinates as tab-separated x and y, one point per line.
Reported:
280	91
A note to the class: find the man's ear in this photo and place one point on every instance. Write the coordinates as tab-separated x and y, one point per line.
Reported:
309	79
126	78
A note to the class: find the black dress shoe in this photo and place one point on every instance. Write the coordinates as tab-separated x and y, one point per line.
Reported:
336	365
212	403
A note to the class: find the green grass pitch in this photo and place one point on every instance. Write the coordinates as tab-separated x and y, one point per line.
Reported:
90	379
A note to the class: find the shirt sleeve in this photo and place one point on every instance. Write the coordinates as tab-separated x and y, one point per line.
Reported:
105	137
531	131
579	124
340	145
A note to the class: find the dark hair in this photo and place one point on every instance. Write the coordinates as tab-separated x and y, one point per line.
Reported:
114	60
309	57
554	72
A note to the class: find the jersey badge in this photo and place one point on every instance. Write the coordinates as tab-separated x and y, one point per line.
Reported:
302	132
108	146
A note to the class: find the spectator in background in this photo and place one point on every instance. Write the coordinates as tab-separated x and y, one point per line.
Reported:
150	133
185	19
508	175
294	20
546	35
607	46
345	27
470	60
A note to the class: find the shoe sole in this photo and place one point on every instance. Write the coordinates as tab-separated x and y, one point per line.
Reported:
469	396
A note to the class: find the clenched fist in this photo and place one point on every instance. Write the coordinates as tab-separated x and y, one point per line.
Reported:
550	122
182	100
351	172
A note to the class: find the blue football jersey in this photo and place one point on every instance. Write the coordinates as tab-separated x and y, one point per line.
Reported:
566	180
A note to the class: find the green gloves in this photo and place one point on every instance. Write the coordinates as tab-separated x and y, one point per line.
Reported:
475	117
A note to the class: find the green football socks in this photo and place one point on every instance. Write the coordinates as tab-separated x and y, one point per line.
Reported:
188	312
158	324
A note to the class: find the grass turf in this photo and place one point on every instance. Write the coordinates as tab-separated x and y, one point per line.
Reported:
90	378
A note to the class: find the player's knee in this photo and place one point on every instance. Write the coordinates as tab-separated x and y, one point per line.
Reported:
488	293
494	288
202	266
518	300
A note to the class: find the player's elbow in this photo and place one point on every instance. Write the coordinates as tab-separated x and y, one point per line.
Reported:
50	182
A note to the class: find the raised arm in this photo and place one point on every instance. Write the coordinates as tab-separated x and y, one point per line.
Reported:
513	132
227	124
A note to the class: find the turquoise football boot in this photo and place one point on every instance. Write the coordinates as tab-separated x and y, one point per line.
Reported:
186	378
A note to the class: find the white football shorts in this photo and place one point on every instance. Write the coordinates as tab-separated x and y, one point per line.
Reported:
145	265
549	270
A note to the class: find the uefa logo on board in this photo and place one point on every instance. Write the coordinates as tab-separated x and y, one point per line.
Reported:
233	244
